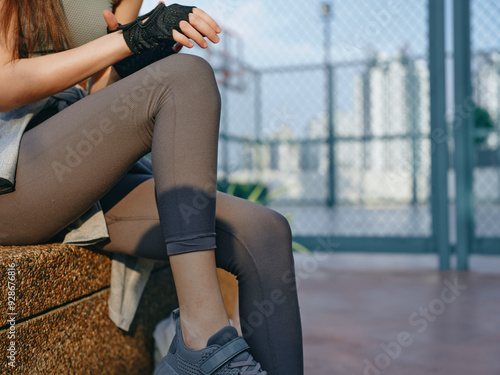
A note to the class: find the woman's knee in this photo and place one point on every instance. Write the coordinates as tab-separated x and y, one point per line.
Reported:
270	241
186	70
278	225
252	237
193	65
183	84
190	78
250	222
269	231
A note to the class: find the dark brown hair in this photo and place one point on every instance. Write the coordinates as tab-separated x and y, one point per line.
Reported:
38	24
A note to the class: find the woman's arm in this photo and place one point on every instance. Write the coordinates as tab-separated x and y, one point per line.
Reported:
125	12
25	81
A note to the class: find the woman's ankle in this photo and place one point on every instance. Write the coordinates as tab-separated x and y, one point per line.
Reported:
196	332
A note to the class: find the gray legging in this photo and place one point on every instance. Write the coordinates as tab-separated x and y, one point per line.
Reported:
82	154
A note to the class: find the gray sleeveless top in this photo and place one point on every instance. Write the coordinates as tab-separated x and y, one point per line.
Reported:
128	274
85	19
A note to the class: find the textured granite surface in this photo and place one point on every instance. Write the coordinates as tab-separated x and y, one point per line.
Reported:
79	338
62	324
51	275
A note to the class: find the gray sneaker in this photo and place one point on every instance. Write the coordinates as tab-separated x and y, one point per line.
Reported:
226	354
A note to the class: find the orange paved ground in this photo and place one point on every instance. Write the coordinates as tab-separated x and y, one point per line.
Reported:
353	304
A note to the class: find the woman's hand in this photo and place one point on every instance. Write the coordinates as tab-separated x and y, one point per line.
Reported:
112	23
200	25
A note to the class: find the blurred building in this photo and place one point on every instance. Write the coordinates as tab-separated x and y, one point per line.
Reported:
381	150
392	105
392	113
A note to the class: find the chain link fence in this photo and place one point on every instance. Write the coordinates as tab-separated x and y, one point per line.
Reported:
326	105
486	88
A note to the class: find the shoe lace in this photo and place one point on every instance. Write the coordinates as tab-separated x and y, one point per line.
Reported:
245	367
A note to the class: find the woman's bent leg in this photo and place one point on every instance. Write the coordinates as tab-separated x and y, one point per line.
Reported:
253	243
134	228
71	160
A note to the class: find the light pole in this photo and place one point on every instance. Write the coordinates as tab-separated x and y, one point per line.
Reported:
327	17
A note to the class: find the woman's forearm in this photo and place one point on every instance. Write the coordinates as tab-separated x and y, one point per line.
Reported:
25	81
125	12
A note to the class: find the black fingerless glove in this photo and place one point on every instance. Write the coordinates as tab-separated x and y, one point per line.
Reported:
133	63
142	36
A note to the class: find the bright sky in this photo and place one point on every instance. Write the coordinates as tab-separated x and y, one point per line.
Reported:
291	32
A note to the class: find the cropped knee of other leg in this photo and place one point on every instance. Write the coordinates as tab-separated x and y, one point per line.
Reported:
278	237
277	225
264	231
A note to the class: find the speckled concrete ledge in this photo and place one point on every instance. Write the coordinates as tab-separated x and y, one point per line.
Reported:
75	334
51	275
62	324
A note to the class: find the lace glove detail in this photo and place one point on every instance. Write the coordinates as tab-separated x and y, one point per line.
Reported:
155	28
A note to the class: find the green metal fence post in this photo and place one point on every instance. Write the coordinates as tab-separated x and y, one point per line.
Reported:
224	132
258	121
463	131
415	135
439	134
327	16
331	138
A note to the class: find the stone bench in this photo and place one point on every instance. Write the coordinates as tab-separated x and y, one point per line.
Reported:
61	322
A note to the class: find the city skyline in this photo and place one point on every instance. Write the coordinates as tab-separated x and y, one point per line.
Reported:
381	143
